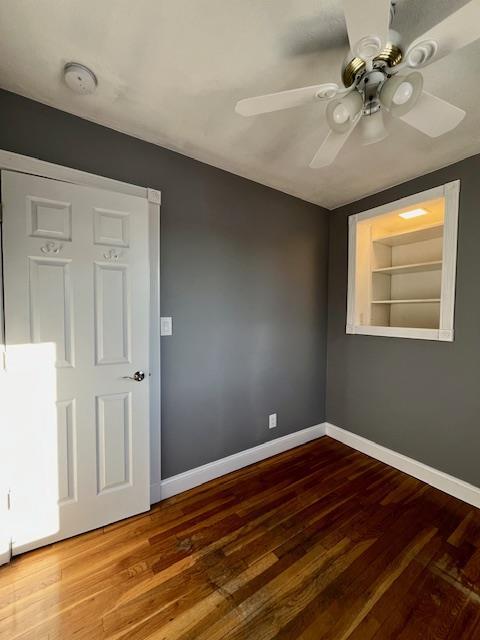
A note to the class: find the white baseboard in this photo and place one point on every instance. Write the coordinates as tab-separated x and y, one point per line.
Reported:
195	477
438	479
199	475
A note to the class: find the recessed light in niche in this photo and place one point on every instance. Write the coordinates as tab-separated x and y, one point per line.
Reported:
414	213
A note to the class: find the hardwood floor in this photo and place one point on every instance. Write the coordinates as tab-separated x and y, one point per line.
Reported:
318	543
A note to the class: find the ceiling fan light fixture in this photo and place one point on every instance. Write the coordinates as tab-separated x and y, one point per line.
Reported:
371	82
341	113
403	93
367	47
373	128
400	93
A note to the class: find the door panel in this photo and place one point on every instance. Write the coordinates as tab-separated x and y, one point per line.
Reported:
112	311
50	303
49	219
76	311
67	452
111	228
114	434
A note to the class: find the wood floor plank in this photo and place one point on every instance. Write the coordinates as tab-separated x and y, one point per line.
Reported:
318	543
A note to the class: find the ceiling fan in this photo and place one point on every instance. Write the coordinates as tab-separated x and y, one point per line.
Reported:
378	75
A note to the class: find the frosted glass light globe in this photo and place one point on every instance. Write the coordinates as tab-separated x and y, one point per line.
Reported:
403	93
341	114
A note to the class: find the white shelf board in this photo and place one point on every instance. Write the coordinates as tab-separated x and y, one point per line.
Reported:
417	267
396	332
407	237
407	301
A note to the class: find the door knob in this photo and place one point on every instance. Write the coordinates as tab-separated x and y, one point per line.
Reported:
138	376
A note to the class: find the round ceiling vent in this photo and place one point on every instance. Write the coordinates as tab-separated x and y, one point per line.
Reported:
79	78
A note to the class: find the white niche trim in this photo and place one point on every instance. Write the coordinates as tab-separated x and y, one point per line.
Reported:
401	268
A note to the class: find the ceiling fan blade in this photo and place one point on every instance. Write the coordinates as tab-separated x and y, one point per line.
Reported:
368	22
433	116
286	99
330	147
460	28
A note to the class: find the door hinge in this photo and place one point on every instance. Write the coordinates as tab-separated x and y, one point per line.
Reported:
9	500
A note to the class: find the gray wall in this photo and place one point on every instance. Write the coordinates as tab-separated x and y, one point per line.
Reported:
419	398
243	273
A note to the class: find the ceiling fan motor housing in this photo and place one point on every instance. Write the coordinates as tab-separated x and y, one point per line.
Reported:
369	80
388	58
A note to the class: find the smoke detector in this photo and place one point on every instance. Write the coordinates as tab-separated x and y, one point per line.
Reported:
79	78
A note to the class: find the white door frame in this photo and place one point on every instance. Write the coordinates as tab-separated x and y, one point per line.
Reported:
33	166
5	529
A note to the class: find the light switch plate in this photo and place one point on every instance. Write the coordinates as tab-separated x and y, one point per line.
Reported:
166	326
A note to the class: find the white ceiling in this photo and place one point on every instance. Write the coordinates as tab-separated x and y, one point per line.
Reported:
171	71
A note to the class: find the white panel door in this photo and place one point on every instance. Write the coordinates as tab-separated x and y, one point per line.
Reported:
76	273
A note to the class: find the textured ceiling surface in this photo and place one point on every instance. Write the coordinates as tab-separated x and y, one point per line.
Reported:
171	71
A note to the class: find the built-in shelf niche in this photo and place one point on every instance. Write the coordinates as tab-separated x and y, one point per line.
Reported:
402	268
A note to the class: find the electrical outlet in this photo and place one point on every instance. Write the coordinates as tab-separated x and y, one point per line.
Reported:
272	421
